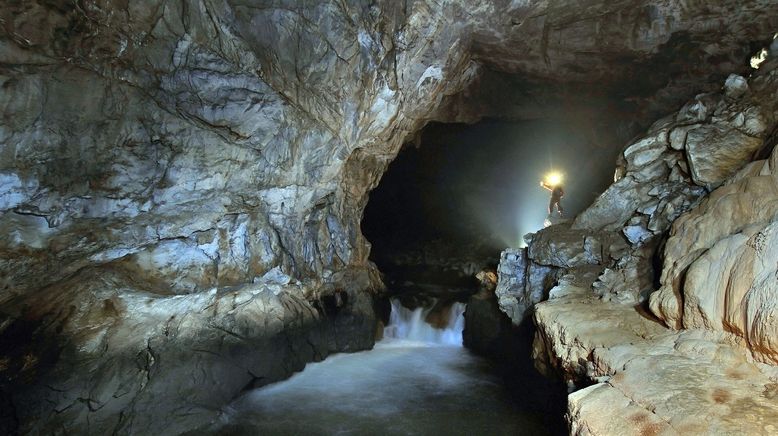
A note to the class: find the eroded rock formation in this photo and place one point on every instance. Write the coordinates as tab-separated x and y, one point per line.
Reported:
646	379
719	263
181	183
718	278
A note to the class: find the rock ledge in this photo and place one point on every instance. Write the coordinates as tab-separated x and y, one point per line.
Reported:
648	379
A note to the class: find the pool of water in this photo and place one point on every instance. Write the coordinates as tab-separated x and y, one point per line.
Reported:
401	387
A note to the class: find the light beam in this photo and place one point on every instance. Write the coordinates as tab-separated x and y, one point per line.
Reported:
554	178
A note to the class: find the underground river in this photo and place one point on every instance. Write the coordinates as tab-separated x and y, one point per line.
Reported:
418	380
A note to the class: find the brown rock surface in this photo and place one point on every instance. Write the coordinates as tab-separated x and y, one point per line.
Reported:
651	380
716	373
720	262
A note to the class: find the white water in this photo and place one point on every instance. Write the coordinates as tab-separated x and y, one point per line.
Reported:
419	380
411	325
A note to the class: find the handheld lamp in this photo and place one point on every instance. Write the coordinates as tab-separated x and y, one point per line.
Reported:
553	178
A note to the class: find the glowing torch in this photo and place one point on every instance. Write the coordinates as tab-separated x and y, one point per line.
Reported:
553	179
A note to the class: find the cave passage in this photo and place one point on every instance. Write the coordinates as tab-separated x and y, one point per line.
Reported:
417	380
447	207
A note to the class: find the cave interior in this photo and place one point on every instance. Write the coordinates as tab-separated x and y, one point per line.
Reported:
198	202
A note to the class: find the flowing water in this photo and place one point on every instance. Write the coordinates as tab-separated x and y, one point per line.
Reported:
419	380
412	325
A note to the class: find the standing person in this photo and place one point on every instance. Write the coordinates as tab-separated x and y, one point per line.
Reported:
557	192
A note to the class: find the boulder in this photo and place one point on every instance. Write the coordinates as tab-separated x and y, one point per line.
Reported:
717	135
521	284
735	86
630	280
646	150
564	247
488	330
511	284
715	153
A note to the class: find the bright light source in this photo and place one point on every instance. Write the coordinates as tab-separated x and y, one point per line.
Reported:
554	178
758	58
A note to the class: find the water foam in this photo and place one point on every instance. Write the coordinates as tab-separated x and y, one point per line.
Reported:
411	325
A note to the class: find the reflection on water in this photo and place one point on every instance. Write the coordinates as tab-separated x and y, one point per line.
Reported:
401	387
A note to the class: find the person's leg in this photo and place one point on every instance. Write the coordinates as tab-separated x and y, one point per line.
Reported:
551	206
559	207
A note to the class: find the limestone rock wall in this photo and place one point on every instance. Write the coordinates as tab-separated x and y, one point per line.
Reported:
719	263
183	181
669	171
521	283
527	275
718	277
293	110
659	176
638	377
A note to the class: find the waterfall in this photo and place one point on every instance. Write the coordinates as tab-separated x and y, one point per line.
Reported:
412	325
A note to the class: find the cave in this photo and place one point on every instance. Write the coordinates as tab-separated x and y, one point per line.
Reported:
301	217
457	196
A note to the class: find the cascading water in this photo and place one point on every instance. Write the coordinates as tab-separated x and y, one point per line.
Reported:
412	325
418	380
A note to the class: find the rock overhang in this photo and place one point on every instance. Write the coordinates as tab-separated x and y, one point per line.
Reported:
144	123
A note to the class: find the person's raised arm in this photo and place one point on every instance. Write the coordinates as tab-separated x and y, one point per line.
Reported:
545	185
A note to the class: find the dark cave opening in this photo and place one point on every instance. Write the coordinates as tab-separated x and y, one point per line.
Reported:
453	200
457	196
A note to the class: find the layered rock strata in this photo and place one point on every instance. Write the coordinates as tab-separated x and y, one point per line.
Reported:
720	270
708	374
646	379
183	181
181	357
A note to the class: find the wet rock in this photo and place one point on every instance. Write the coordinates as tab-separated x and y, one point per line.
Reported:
512	283
488	330
521	283
245	338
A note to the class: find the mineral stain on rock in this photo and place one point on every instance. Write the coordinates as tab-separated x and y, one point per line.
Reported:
720	396
182	188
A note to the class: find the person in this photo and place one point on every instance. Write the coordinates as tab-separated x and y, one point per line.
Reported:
557	192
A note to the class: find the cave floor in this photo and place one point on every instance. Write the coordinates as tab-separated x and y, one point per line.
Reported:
398	388
653	380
